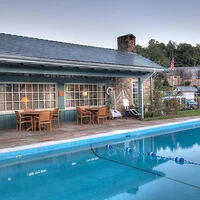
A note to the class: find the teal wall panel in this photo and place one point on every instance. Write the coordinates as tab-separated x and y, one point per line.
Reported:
61	103
7	121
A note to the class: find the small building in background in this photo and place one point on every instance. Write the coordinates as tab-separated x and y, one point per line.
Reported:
186	92
188	76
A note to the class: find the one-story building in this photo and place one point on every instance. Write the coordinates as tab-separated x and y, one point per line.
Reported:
186	92
53	74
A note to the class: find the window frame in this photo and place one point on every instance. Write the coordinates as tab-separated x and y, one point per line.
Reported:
96	84
32	83
135	81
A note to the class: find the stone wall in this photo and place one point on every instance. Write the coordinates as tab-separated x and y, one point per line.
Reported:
182	74
126	85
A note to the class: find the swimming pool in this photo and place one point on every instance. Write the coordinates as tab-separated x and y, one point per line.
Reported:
110	172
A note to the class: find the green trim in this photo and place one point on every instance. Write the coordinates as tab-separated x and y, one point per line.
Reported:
44	70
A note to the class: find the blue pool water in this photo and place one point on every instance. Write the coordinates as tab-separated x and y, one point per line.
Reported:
110	173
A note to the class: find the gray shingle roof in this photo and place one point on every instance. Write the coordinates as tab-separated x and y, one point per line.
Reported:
31	47
187	88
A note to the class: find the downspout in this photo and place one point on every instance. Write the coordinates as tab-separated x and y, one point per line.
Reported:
141	81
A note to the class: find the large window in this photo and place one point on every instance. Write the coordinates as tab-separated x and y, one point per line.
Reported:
17	96
135	92
84	94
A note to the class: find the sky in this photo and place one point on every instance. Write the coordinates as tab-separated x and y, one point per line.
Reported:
100	22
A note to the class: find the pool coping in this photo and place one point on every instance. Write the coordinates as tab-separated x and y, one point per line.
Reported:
45	147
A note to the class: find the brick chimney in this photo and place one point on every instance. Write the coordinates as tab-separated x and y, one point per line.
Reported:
127	43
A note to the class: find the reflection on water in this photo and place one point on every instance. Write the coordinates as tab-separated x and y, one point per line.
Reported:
82	175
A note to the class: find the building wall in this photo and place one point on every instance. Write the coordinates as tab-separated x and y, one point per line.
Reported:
8	120
126	85
182	74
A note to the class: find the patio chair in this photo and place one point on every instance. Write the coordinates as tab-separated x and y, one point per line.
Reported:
108	112
82	114
101	114
55	117
23	120
130	110
43	121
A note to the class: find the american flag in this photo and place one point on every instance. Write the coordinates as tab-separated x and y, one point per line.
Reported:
172	65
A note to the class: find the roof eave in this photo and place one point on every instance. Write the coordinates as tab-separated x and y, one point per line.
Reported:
72	63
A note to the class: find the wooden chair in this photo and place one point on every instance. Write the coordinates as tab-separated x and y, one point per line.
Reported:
108	114
82	114
101	114
55	117
23	120
44	120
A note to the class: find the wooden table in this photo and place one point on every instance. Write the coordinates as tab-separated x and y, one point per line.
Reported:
93	110
33	114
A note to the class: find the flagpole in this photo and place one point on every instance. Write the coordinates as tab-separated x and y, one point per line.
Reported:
173	70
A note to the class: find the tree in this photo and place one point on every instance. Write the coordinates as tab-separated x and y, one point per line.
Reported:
184	54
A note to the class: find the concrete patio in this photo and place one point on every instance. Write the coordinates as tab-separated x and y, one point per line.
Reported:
11	138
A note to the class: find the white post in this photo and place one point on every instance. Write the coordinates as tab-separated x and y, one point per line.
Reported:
140	97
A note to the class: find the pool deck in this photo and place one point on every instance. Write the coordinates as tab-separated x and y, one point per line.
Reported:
11	138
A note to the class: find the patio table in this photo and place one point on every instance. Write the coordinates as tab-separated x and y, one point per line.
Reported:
93	111
33	114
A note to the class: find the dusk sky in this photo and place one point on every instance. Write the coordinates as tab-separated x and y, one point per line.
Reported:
98	23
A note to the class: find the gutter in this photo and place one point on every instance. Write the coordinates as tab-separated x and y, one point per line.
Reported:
71	63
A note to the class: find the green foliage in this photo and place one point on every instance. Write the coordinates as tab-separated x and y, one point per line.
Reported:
187	83
161	83
184	54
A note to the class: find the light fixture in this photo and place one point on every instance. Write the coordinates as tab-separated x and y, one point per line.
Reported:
24	100
84	94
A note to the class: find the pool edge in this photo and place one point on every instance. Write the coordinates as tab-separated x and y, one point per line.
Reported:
36	148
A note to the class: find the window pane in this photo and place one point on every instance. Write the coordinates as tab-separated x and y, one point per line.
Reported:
72	88
73	103
22	106
22	88
35	96
53	104
2	106
40	88
28	88
15	88
2	88
8	105
8	96
29	96
29	105
86	102
46	88
8	88
47	96
35	105
16	106
47	104
41	104
35	88
67	103
41	96
2	97
53	96
16	97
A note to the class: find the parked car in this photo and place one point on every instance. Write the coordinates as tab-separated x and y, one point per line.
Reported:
191	104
